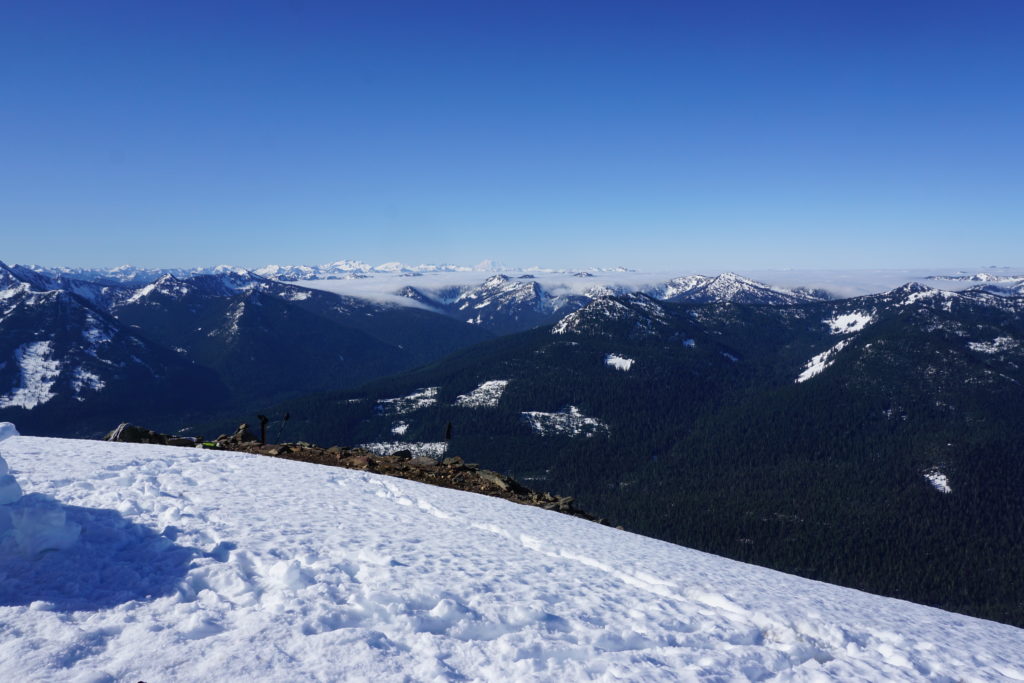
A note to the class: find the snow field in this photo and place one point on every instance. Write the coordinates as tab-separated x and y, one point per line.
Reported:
208	565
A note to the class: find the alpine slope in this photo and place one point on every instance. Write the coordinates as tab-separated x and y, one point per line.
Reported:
126	562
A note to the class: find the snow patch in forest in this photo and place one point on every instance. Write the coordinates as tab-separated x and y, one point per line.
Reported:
939	480
618	362
997	345
486	395
431	449
818	364
567	422
421	398
849	322
38	374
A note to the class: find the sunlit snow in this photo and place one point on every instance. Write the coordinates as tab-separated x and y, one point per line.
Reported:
210	565
567	422
997	345
38	374
421	398
487	395
432	449
618	362
939	480
849	322
817	364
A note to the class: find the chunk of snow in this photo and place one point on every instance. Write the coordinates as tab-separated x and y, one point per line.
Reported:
689	343
38	374
817	364
849	322
7	430
421	398
400	428
10	491
30	525
567	422
618	362
939	480
731	357
487	395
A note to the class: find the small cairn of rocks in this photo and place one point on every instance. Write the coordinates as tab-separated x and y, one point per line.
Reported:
453	472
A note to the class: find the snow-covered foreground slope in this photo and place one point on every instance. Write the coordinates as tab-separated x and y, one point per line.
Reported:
206	565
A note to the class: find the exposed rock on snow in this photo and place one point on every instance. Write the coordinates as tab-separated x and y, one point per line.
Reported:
486	395
345	575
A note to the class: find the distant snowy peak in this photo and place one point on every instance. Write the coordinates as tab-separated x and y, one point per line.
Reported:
227	283
347	270
977	277
499	291
915	296
728	288
632	315
504	304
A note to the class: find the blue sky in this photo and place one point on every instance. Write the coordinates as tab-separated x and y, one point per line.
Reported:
657	135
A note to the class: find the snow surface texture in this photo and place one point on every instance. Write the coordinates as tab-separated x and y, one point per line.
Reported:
208	565
618	362
816	365
567	422
486	395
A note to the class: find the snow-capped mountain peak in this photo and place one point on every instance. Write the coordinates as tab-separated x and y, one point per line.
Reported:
631	315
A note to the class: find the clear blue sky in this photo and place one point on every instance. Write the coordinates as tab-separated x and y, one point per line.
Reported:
668	135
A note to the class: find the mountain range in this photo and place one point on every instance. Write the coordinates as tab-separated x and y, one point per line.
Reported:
849	440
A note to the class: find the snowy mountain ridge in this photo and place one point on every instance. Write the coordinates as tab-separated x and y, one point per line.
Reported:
341	574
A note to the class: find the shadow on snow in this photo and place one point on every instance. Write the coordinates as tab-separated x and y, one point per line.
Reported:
113	562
